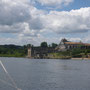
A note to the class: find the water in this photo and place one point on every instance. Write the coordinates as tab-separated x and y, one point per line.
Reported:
40	74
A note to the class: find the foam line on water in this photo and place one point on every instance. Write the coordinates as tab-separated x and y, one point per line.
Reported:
14	84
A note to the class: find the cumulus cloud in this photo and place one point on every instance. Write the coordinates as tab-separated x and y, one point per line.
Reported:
13	11
21	17
74	21
14	14
54	3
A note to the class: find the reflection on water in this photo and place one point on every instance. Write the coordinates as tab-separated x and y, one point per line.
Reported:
40	74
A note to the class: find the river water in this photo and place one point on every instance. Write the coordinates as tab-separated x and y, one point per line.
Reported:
45	74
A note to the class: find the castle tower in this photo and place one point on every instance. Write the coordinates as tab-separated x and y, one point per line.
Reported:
29	53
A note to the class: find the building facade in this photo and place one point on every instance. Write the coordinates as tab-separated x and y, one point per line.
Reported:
68	45
39	52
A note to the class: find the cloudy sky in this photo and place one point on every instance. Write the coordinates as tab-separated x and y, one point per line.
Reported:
33	21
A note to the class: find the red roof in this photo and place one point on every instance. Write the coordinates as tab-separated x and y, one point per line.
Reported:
77	43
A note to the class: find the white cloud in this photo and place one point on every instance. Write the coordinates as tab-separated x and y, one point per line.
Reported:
19	16
74	21
15	41
74	39
54	3
14	17
13	11
15	28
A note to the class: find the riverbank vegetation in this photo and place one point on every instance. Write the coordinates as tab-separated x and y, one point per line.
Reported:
74	53
13	51
21	51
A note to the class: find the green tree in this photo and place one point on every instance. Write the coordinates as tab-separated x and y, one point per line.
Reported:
29	45
44	44
54	45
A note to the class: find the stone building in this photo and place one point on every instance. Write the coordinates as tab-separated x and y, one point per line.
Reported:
29	53
68	45
39	52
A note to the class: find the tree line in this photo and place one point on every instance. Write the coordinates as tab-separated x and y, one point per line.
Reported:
20	51
44	45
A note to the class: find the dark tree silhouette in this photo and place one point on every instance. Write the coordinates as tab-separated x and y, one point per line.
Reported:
44	44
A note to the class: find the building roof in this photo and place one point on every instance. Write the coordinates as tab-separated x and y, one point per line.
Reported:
77	43
64	40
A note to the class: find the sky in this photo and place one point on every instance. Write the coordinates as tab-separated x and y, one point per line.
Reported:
34	21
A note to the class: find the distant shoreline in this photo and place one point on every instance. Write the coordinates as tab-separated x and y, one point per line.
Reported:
51	58
80	58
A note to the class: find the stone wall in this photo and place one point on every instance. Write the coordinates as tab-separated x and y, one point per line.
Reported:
39	52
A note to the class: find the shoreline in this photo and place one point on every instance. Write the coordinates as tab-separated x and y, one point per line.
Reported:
80	58
52	58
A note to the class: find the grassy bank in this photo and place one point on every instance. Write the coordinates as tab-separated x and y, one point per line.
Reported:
12	55
12	51
74	53
59	55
